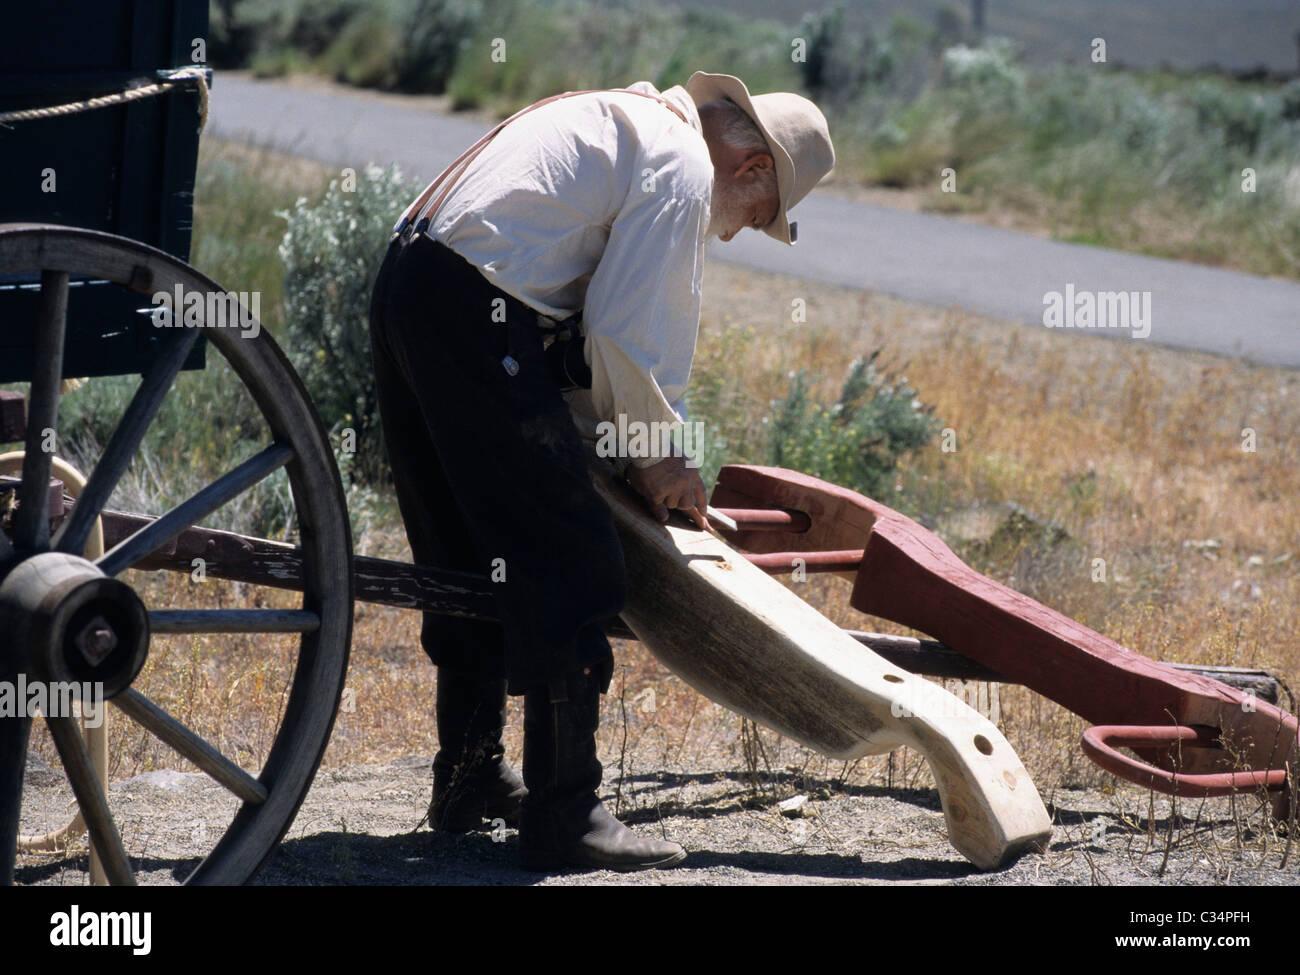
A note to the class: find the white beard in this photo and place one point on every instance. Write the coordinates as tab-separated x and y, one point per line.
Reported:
729	204
725	206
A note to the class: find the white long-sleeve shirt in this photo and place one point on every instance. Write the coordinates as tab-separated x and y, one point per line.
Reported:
598	203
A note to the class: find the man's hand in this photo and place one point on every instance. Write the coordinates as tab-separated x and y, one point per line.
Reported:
671	484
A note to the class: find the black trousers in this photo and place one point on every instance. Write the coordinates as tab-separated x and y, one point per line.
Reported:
490	471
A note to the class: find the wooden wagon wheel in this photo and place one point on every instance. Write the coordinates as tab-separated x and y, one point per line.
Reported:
54	604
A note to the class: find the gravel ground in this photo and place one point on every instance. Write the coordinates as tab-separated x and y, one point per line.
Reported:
358	826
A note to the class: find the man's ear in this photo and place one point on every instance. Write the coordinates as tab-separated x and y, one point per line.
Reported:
758	161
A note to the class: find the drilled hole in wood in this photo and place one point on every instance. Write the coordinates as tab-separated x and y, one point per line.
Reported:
984	745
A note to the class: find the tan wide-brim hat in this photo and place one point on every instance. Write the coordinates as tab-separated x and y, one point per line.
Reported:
795	130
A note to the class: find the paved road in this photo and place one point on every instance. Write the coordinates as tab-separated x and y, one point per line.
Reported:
919	257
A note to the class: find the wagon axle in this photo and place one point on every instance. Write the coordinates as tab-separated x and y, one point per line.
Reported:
77	624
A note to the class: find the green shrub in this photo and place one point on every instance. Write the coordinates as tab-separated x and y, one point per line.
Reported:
845	69
278	63
433	34
307	26
1290	96
231	40
407	45
858	440
1231	115
577	44
984	79
367	51
207	425
332	250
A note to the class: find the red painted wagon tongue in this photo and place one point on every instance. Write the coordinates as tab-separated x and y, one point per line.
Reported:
907	574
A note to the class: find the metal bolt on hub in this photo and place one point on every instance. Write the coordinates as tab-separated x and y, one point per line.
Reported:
96	640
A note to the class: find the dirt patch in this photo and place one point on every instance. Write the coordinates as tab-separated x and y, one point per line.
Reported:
358	826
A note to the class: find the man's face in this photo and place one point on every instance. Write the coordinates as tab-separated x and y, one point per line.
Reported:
748	198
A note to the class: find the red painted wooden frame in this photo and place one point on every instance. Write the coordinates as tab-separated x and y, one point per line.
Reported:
906	573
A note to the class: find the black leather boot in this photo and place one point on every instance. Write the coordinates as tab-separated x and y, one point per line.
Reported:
472	782
563	823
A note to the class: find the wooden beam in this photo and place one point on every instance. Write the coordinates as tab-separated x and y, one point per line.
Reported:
263	562
932	659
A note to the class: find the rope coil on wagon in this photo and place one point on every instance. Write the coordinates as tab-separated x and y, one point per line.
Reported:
174	79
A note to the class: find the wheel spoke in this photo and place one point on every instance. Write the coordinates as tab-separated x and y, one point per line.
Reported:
233	621
166	728
158	533
122	446
90	797
32	521
14	733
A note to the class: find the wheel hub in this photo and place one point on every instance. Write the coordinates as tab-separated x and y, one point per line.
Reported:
73	623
